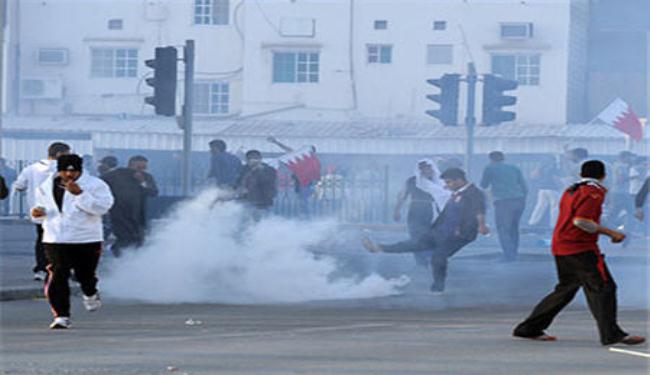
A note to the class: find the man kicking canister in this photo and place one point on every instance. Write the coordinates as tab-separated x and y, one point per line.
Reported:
459	223
579	262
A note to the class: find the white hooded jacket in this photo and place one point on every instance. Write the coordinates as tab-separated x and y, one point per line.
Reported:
32	177
80	218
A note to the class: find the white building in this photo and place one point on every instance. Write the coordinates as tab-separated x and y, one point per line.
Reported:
296	59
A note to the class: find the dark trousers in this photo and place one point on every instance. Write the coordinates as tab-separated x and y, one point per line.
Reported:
507	214
589	271
417	230
39	252
441	247
83	259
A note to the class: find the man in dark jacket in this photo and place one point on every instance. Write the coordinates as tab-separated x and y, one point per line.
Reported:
257	184
131	187
459	223
224	166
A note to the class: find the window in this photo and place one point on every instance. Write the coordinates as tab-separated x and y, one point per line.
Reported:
440	25
524	68
520	30
212	98
380	54
211	12
52	56
114	62
115	24
290	67
381	25
440	54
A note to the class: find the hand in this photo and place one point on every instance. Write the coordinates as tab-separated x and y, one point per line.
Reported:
139	176
639	214
397	216
72	187
483	229
617	237
38	212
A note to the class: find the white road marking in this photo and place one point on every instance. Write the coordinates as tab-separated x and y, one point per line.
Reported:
630	352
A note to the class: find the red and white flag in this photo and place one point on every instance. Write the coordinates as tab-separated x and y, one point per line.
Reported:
621	116
304	164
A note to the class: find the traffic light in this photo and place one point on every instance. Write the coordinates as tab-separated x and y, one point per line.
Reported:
447	99
163	81
494	99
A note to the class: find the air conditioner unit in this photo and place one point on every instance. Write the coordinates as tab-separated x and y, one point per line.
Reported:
41	88
516	30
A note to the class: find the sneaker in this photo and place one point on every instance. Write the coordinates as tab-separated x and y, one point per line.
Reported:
40	275
61	322
92	303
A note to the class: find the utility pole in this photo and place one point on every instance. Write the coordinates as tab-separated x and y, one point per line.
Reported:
188	58
470	119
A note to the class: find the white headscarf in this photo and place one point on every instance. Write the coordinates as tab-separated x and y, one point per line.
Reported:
433	186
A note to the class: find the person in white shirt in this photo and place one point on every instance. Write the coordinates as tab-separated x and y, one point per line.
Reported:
70	205
28	180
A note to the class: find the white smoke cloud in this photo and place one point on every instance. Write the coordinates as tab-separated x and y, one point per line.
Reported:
203	255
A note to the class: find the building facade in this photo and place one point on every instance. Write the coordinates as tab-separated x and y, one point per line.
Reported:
296	59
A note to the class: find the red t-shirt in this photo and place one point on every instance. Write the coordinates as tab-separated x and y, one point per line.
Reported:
585	203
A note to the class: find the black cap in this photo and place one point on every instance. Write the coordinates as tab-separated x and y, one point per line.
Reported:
70	162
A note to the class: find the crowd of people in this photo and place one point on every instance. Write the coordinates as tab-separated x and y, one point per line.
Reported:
76	207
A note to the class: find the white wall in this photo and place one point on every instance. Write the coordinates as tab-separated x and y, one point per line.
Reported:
394	90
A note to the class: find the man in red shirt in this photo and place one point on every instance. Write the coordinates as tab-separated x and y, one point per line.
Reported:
579	262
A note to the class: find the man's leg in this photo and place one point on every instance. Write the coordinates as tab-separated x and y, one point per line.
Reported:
417	230
538	211
439	260
516	210
547	309
39	252
57	289
85	265
502	218
425	242
600	290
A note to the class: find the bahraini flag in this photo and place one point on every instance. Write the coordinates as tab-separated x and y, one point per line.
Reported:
621	116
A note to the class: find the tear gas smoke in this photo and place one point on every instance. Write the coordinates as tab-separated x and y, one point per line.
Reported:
202	255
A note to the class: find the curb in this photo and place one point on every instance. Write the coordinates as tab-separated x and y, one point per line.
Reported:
20	293
28	292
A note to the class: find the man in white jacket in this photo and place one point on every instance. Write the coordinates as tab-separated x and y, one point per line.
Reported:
28	181
70	206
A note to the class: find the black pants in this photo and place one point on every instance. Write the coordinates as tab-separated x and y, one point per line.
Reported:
442	248
83	259
507	214
589	271
416	230
39	252
128	233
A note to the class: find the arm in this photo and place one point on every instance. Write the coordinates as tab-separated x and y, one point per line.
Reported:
22	181
279	144
149	185
590	226
480	213
640	198
96	200
486	179
522	182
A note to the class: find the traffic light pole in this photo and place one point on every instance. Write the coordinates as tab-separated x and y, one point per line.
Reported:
470	119
188	58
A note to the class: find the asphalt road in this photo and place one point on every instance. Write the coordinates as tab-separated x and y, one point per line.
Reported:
127	338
